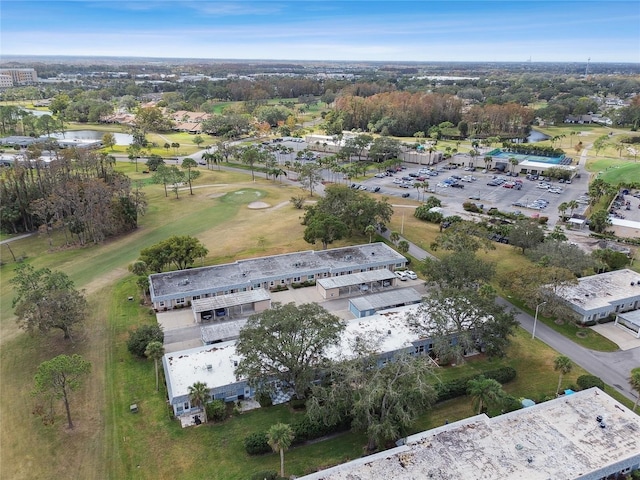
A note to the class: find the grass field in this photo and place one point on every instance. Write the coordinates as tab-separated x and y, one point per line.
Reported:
109	441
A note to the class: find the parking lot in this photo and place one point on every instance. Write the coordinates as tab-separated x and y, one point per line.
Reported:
489	189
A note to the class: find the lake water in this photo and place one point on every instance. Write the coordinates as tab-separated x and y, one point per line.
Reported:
121	138
536	136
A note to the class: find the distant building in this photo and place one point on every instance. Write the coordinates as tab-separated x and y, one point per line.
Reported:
586	435
20	76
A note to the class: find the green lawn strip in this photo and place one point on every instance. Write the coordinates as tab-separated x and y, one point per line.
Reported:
583	336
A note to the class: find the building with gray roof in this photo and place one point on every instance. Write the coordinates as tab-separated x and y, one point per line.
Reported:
586	435
598	296
181	287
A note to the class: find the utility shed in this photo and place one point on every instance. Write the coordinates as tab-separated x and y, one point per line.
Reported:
587	435
370	304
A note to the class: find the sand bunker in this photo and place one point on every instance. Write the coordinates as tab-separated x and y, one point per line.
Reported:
258	205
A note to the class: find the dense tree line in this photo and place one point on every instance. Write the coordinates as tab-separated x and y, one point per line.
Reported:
79	192
392	113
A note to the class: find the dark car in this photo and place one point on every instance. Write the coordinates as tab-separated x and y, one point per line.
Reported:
457	185
376	190
405	195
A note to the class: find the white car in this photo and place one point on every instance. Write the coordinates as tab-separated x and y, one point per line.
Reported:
411	275
401	275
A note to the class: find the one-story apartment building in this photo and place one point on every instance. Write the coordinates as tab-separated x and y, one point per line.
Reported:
597	296
388	332
586	435
181	287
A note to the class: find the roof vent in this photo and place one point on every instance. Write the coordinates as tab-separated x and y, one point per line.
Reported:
235	363
602	425
599	418
633	283
389	332
209	367
530	459
586	294
373	253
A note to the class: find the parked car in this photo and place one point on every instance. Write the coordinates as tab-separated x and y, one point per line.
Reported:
406	195
376	190
411	275
401	275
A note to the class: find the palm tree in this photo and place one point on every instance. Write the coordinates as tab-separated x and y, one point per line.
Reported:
403	246
562	208
564	365
370	230
155	350
473	153
394	237
635	384
484	391
280	437
199	395
488	160
513	161
572	205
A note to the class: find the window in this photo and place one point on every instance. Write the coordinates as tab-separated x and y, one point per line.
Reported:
271	283
256	285
196	297
180	301
186	405
311	277
296	279
282	281
161	304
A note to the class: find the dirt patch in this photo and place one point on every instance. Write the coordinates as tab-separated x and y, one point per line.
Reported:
258	205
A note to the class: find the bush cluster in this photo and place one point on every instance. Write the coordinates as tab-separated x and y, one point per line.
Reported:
216	410
141	337
458	387
588	381
304	429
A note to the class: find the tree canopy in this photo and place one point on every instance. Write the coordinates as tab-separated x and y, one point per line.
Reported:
46	300
60	376
179	251
461	321
286	343
381	400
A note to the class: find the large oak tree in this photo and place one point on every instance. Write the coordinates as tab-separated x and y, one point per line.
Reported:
286	343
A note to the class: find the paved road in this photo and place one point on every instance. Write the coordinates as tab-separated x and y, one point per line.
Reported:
612	367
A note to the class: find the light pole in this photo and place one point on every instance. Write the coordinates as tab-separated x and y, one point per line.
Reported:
535	320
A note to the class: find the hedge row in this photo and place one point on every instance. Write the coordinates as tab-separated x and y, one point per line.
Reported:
458	387
304	430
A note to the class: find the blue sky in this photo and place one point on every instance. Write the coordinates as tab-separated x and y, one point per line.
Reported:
369	30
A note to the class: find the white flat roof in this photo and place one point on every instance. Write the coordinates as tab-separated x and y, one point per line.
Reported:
559	439
544	165
631	317
601	290
185	367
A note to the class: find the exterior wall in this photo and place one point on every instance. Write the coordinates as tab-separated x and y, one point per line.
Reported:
261	306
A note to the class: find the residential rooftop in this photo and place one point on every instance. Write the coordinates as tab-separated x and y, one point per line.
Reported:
247	273
559	439
387	331
601	290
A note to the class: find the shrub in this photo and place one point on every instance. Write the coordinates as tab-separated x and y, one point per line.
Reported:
589	323
141	337
264	399
588	381
511	404
216	410
470	207
607	319
458	387
257	444
298	403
